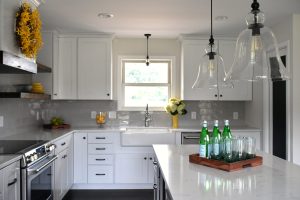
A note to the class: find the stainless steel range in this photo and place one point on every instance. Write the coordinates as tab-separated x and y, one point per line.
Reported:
36	167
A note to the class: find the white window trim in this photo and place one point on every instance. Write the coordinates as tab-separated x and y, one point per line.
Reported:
173	81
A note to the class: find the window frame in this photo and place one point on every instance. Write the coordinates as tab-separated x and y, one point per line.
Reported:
121	80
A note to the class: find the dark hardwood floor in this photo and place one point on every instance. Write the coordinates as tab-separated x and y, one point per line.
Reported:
109	195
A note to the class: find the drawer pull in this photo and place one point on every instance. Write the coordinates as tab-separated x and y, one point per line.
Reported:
62	144
100	159
101	149
65	156
100	174
100	138
13	182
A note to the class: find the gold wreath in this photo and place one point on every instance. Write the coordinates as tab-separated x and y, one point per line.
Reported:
28	30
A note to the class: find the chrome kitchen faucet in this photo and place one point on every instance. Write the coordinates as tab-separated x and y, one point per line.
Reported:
147	117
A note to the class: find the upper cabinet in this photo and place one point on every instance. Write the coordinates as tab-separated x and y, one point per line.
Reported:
84	68
94	68
191	55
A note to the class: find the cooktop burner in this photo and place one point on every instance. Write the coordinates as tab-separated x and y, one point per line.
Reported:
18	146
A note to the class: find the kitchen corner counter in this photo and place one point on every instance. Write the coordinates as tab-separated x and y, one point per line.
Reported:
276	179
6	160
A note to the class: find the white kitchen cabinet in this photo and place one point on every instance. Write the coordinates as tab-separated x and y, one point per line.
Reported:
242	90
134	168
192	52
80	158
94	68
63	166
61	170
10	182
65	72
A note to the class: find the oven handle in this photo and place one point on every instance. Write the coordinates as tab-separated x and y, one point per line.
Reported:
44	165
191	137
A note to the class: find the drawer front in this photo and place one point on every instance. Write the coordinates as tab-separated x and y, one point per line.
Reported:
100	159
100	138
100	174
63	143
100	148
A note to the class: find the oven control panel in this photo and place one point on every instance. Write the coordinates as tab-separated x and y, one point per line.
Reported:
36	154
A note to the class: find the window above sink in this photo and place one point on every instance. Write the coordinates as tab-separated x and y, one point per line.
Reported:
140	85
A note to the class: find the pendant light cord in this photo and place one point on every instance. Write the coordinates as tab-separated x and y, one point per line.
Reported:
211	39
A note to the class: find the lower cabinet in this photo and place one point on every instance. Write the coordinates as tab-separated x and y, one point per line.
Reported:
10	182
134	168
63	169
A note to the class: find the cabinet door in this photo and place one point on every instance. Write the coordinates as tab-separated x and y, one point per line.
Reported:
1	185
192	52
80	157
65	73
131	168
242	90
11	183
61	175
150	168
94	68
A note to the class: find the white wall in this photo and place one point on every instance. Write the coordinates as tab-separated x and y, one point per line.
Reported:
295	90
137	47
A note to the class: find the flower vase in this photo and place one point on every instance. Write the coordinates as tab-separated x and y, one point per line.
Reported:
174	121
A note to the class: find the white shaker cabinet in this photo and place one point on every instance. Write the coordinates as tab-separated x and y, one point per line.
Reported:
192	52
10	182
80	158
63	166
242	91
65	73
134	168
94	68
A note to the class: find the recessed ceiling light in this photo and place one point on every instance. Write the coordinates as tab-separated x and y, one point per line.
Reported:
105	15
221	18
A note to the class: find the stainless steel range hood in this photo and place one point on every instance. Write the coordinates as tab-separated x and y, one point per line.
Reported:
12	64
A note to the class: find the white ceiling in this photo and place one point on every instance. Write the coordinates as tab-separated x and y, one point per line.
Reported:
162	18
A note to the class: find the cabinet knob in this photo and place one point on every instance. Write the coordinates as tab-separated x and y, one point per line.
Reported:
221	95
55	94
145	158
216	95
150	158
108	94
84	138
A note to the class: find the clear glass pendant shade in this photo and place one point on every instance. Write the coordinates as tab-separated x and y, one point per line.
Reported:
251	62
209	75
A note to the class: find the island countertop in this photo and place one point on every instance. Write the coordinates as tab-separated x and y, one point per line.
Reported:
276	179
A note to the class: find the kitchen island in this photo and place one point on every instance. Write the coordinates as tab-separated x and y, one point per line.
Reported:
276	179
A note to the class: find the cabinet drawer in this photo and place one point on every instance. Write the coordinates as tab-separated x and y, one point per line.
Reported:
100	174
63	143
100	159
100	138
100	148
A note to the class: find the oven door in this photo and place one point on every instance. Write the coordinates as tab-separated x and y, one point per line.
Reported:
40	180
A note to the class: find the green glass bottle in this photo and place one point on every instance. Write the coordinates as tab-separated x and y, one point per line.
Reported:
226	141
215	141
203	142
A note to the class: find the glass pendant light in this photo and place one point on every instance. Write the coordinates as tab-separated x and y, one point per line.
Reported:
147	35
250	61
211	63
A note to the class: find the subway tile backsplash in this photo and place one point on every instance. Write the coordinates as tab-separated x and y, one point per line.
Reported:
26	115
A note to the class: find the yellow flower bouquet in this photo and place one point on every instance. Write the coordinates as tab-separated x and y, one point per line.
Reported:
175	107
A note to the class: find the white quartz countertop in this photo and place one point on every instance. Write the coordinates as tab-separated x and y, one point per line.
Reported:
276	179
6	160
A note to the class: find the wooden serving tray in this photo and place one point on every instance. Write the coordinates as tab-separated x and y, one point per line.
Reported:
229	167
50	126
